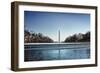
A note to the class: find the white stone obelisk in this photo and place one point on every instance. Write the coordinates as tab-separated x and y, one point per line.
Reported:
59	36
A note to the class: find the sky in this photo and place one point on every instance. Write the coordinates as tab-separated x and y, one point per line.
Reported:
49	23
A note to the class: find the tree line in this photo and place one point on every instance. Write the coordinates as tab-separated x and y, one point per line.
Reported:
79	37
40	38
36	38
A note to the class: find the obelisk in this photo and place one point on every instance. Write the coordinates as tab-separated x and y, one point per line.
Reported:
59	36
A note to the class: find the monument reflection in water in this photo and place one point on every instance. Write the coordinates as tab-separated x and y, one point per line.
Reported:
56	51
63	51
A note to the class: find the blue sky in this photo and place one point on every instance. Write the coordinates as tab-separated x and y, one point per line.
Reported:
49	23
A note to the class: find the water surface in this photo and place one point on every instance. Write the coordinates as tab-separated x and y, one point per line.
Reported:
43	52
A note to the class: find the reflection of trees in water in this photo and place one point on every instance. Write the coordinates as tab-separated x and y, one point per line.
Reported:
65	54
